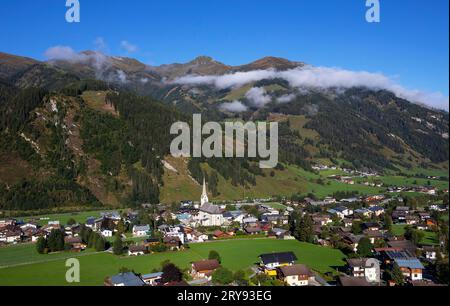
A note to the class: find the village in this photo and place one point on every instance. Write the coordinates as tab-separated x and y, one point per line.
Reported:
387	241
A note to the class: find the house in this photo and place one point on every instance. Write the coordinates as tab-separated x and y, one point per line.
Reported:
152	279
75	243
348	281
367	268
371	226
136	250
252	230
172	242
271	261
377	210
141	230
429	252
128	279
411	268
218	234
204	268
279	233
404	245
341	212
352	240
295	275
364	212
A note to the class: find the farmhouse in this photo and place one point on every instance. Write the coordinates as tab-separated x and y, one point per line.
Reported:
204	268
135	250
295	275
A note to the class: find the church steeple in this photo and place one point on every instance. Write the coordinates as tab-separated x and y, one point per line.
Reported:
204	199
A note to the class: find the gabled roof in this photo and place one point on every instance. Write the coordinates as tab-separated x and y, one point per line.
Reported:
206	265
278	257
127	279
295	270
409	263
210	209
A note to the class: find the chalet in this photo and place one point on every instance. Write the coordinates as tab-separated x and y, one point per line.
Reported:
347	222
253	230
135	250
279	233
270	262
218	234
128	279
399	216
204	268
377	210
295	275
374	236
352	240
141	230
10	234
75	243
371	226
322	220
367	268
411	268
152	279
173	243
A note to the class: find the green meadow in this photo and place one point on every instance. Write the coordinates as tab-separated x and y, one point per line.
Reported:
236	255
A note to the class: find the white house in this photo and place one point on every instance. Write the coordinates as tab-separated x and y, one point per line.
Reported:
295	275
141	230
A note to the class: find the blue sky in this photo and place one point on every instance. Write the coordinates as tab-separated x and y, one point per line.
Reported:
410	44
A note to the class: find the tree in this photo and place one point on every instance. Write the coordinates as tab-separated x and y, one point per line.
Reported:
356	228
222	276
55	241
118	246
100	243
364	248
415	236
239	278
442	271
304	229
214	255
41	245
396	275
388	223
171	273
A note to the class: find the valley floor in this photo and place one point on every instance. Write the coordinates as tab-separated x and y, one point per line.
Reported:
16	268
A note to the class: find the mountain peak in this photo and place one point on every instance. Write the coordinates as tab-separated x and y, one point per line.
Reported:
271	62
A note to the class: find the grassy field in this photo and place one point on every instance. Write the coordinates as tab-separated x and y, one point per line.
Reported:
429	238
236	254
391	180
63	217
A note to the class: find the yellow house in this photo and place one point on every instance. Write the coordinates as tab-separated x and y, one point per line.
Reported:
270	262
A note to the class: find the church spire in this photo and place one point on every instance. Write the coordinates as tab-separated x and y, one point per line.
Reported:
204	199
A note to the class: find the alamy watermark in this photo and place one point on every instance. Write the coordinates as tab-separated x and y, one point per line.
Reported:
73	12
373	13
73	273
220	144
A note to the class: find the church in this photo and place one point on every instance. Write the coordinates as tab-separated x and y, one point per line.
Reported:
209	214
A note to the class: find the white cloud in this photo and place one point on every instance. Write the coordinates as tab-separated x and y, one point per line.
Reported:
122	76
128	47
258	96
233	107
321	78
286	98
64	53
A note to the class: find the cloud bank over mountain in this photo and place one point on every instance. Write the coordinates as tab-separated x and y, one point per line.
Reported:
317	78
